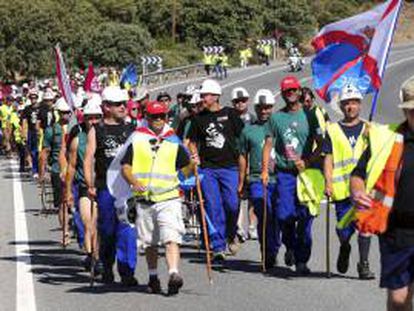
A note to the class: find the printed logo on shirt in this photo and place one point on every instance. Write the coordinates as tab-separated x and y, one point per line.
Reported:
215	138
352	141
112	146
223	118
291	143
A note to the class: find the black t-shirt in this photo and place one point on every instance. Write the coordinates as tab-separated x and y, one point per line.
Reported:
109	138
216	134
74	132
45	116
30	113
182	160
351	132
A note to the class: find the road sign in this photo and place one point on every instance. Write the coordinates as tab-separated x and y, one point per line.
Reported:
213	49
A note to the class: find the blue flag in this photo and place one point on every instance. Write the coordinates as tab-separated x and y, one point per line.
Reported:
129	77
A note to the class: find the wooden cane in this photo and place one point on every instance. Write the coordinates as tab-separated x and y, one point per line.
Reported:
204	224
328	247
264	226
93	260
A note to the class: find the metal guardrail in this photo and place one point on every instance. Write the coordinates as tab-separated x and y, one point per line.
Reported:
173	74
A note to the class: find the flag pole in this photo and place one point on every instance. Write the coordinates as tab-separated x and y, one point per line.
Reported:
382	69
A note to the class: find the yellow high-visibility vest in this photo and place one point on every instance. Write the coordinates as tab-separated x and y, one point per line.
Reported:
156	170
345	158
381	141
208	59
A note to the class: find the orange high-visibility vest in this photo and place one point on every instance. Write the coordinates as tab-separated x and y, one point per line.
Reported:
375	219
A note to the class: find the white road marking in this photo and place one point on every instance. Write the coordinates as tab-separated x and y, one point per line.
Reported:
253	76
25	296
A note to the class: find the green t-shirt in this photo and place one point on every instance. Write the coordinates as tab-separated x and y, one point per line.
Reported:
251	145
53	140
80	158
174	116
293	134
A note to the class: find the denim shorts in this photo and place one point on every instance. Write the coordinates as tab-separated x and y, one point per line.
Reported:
397	264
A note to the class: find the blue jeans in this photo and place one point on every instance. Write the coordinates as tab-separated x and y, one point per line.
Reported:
117	239
272	225
222	204
80	231
294	218
32	142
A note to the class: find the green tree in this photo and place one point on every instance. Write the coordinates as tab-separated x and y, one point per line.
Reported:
118	44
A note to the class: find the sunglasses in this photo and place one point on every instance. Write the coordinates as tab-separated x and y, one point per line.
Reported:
157	116
93	118
117	104
164	99
291	91
240	100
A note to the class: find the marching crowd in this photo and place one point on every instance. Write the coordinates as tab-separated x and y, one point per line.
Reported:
120	159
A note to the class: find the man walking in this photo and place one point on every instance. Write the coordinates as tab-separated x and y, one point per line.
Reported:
344	144
251	150
103	143
294	132
382	190
213	139
150	165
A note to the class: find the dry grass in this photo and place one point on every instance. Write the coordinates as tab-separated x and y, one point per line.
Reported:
405	29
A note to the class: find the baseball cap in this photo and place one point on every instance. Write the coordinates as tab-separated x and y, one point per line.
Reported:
155	107
289	82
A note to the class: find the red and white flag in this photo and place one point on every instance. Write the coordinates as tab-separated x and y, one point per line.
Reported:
63	77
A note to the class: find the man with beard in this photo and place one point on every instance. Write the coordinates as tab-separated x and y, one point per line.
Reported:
150	165
103	143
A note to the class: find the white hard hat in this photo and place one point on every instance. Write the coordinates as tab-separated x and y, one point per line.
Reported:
25	85
190	89
141	93
350	92
265	97
210	86
93	106
239	92
49	95
62	105
114	94
195	98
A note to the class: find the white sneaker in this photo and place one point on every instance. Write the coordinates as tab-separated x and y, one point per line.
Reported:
35	176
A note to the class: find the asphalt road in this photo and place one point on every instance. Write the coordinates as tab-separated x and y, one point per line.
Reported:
37	274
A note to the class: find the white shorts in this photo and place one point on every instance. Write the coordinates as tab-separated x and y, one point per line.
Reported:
160	223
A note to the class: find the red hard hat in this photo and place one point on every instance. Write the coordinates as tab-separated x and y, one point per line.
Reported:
155	107
289	82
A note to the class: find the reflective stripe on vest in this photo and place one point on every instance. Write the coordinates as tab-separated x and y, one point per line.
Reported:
156	170
345	159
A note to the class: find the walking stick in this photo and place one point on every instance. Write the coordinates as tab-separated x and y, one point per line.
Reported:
65	234
204	224
328	248
264	226
93	260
